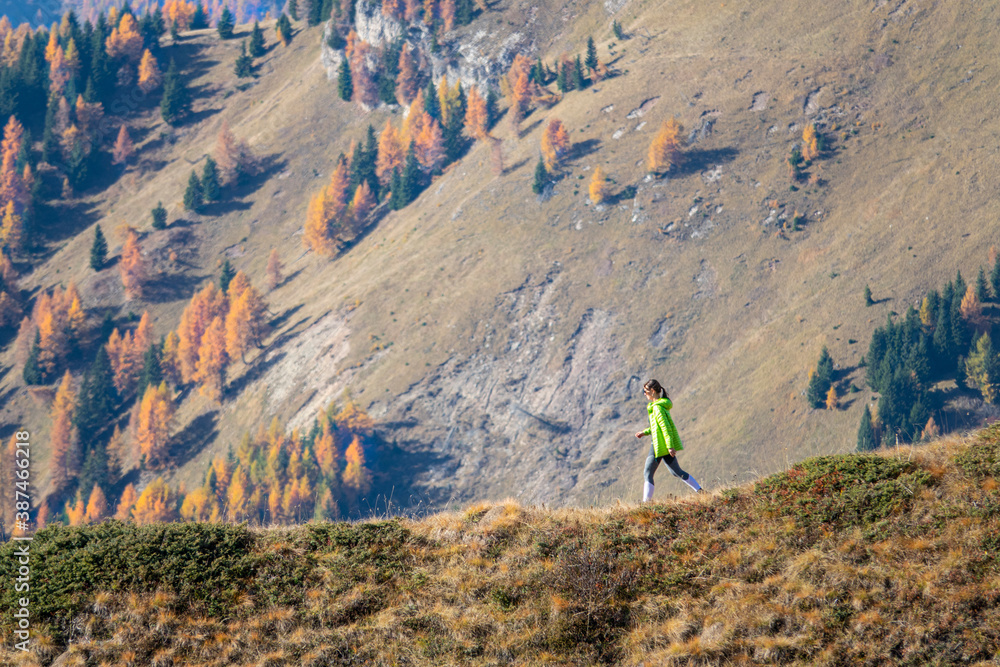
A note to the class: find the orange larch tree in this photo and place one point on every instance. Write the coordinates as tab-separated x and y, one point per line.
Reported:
430	11
598	186
156	503
64	463
213	361
407	82
150	76
665	151
245	321
430	145
233	157
76	511
475	115
555	143
365	89
356	478
274	267
125	504
448	14
207	304
97	506
125	39
810	142
361	205
390	154
132	266
152	430
123	147
170	360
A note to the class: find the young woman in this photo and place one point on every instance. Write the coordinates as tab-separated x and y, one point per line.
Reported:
665	439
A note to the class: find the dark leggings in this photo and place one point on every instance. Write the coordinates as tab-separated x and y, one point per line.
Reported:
652	462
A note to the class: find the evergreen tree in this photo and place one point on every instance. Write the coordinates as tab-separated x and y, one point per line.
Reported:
176	100
578	81
225	24
397	198
591	54
32	372
982	288
50	138
561	79
152	368
412	176
867	441
95	470
345	87
432	105
995	278
198	19
283	28
538	73
293	9
616	29
868	296
226	276
175	32
369	171
244	62
492	114
821	380
159	216
454	140
95	405
77	165
257	48
193	196
541	177
99	250
389	72
210	188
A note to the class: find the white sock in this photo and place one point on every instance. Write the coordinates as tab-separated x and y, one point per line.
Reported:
647	492
693	483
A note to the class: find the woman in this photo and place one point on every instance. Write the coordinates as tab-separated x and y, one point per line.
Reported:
665	438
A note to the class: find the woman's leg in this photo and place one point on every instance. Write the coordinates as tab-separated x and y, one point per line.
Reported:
651	464
675	468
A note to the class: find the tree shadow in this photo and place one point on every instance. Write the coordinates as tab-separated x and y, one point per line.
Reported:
526	129
198	116
185	444
584	148
56	222
288	278
514	167
269	166
278	321
171	287
287	335
257	367
226	206
395	469
696	161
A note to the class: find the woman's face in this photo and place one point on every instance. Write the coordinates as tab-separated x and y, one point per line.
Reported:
651	395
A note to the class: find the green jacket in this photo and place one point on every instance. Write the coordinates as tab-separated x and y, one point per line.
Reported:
662	428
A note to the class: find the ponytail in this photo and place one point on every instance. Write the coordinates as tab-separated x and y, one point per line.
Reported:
653	385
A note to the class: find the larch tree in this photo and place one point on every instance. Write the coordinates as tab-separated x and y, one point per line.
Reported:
125	40
316	234
665	152
64	463
831	398
76	510
448	14
207	304
245	322
810	142
390	154
356	478
210	371
283	28
11	229
274	268
365	89
234	157
152	430
123	147
97	506
123	512
361	206
475	115
150	76
132	266
407	81
971	308
599	188
555	144
430	146
157	503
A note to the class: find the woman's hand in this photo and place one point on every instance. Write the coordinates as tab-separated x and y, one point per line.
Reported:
639	435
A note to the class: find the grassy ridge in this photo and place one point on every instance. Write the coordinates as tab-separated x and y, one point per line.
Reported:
840	559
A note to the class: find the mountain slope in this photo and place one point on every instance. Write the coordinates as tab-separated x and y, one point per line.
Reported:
879	559
500	340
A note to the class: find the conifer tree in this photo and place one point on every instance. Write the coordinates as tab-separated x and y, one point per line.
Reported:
274	277
982	288
159	215
97	506
345	86
598	186
821	380
123	147
316	233
407	82
555	143
123	512
432	102
390	154
244	62
210	188
995	278
293	9
193	195
98	396
94	473
32	372
225	24
152	430
133	266
411	176
475	115
256	48
283	28
541	177
361	205
150	76
365	90
234	157
810	142
831	398
591	61
868	296
98	250
397	197
176	100
983	369
152	369
867	440
665	151
157	503
356	478
65	461
579	82
616	29
430	147
213	360
226	276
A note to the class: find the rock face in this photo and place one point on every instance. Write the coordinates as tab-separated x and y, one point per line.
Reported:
475	56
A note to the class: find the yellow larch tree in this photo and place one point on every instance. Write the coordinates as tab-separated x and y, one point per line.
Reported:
150	76
356	478
156	503
599	188
64	464
155	419
213	361
125	504
831	398
665	152
555	144
76	510
810	142
97	506
475	115
132	266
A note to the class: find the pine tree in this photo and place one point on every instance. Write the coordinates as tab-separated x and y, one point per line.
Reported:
867	440
283	28
226	276
94	473
152	369
98	396
995	278
98	250
598	186
274	277
868	296
492	113
176	100
411	177
210	188
32	372
982	288
397	197
244	62
591	55
432	102
541	177
616	29
225	24
257	48
821	380
193	196
345	87
579	82
293	9
665	151
159	215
